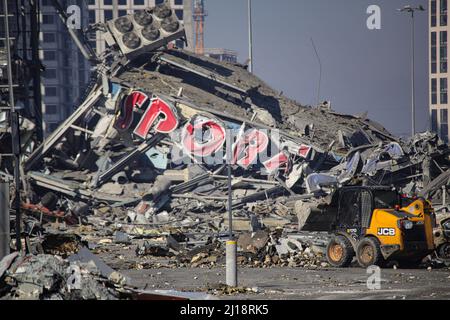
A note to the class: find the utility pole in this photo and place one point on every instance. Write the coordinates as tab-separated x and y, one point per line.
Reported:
250	37
231	245
410	9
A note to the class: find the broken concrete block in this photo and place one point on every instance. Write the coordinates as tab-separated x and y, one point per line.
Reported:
253	242
152	250
121	238
287	245
161	218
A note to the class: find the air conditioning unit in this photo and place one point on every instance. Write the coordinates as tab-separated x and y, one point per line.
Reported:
145	30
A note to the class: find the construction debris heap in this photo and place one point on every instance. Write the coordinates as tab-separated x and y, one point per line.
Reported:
144	157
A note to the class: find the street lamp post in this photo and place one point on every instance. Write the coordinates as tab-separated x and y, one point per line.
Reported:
250	37
411	10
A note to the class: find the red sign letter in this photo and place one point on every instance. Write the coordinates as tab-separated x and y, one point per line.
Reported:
134	100
276	162
248	147
167	122
203	136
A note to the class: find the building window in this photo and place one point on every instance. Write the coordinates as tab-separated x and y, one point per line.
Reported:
49	37
139	2
433	13
108	15
52	126
178	2
51	91
107	2
433	91
443	51
444	125
443	12
51	109
49	55
159	1
91	2
49	74
179	14
444	98
434	124
122	13
67	94
91	16
443	38
433	53
48	19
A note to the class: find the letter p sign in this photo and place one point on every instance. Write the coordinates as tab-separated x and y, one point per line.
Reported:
374	20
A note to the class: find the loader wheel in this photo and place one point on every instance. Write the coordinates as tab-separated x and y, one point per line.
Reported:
340	252
444	251
368	253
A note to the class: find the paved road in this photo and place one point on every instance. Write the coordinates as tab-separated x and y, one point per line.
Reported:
293	283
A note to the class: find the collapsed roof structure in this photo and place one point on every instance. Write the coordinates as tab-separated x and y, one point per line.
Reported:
158	124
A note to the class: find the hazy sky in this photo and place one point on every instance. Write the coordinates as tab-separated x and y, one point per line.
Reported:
363	70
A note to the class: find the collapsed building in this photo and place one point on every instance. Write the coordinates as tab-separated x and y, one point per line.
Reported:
149	146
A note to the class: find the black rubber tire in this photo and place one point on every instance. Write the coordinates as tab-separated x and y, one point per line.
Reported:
443	251
345	257
368	253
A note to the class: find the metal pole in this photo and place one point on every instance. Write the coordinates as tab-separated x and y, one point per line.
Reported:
231	246
413	96
14	130
4	219
250	37
320	71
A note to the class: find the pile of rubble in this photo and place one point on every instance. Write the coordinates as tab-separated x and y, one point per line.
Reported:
145	157
255	249
136	152
49	277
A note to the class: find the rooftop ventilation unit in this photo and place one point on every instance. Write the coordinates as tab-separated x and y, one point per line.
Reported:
145	30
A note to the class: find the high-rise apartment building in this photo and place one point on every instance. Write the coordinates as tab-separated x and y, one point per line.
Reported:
438	67
66	71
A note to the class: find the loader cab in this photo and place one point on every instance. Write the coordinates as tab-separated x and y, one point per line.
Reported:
355	206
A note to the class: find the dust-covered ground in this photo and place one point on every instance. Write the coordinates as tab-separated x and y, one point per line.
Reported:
281	282
298	283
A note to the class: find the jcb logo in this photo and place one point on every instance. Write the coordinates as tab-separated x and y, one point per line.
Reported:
386	231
